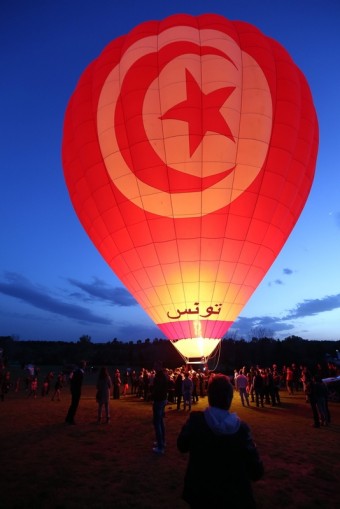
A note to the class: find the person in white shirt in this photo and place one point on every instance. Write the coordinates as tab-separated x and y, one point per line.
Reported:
241	383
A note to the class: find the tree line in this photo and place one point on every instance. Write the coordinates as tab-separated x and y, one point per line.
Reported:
232	354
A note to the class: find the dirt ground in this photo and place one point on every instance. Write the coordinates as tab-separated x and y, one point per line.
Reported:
47	464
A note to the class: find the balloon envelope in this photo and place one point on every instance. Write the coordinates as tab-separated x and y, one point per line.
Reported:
189	151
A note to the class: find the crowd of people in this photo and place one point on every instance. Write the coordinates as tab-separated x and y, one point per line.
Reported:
256	386
206	435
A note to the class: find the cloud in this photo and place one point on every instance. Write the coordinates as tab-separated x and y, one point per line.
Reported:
277	325
102	291
18	287
135	332
274	325
287	272
313	307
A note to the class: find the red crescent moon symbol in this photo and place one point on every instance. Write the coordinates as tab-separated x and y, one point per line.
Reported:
147	165
148	159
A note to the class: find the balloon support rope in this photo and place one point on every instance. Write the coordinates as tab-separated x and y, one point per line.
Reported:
218	354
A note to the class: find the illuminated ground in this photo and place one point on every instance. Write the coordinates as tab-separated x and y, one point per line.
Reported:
47	464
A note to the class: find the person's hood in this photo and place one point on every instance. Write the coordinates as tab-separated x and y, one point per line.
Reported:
221	422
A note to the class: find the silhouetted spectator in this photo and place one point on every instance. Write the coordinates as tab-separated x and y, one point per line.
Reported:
76	382
104	384
221	442
159	400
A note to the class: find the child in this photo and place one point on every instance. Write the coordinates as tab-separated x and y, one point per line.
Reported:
33	388
58	386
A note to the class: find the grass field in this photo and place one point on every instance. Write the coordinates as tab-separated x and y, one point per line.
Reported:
48	464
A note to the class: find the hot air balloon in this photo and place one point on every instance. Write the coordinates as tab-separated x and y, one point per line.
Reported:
189	151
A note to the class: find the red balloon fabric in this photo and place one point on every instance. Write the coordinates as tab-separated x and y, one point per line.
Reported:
189	151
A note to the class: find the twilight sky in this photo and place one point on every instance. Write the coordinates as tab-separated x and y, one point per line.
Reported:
54	285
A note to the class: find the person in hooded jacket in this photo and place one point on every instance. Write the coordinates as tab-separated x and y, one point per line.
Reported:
223	458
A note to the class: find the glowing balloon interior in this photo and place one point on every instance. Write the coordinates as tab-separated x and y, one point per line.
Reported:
189	151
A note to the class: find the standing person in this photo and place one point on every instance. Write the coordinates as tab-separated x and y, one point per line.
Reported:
58	386
33	388
146	383
171	388
271	387
317	392
104	384
159	396
241	383
46	386
125	380
290	381
258	383
134	382
321	394
250	387
76	382
116	384
187	388
277	385
5	384
306	377
201	378
211	436
178	389
195	387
